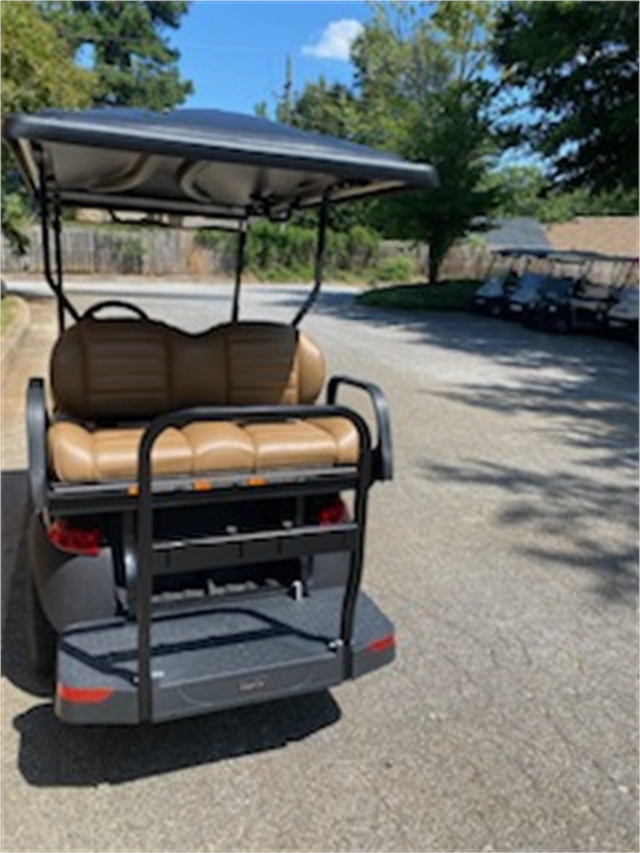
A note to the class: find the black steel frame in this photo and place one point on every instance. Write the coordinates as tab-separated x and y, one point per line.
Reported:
53	274
54	271
145	561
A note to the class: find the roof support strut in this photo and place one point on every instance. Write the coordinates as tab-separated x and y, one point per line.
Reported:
242	242
323	221
53	276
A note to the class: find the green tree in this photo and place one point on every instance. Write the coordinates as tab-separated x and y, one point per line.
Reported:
37	71
518	190
572	70
321	108
126	42
424	93
525	191
328	109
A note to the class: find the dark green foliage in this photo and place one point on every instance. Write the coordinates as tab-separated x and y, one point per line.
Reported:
37	71
398	268
320	108
420	92
289	251
275	251
423	94
525	191
132	60
574	65
448	296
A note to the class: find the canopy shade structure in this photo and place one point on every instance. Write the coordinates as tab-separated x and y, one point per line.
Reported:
202	162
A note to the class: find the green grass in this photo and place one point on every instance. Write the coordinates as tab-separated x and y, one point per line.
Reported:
9	306
447	296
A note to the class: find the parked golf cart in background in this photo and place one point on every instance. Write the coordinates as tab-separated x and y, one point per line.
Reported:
549	309
492	297
553	307
622	317
534	277
580	293
197	533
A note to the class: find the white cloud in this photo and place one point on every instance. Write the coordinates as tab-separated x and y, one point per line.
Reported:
336	40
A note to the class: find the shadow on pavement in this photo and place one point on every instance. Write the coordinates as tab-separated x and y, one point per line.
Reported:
54	754
587	400
15	666
504	342
563	510
589	408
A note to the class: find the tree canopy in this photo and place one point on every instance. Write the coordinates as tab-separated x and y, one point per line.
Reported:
38	67
425	87
420	91
132	65
38	70
419	73
127	49
572	68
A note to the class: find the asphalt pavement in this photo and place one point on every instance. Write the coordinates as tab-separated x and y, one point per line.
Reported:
505	551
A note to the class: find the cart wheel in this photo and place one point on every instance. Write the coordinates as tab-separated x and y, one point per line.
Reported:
40	636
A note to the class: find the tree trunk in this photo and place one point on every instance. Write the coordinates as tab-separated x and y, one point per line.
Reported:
434	266
437	251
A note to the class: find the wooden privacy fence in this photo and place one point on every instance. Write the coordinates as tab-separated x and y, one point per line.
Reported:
135	252
158	252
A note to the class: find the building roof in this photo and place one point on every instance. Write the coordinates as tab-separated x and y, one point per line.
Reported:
520	232
608	235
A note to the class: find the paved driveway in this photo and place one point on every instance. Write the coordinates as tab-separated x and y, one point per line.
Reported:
506	553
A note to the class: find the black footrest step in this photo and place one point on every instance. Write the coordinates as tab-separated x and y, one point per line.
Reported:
230	655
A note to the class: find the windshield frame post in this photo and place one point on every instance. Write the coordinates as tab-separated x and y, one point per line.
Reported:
320	258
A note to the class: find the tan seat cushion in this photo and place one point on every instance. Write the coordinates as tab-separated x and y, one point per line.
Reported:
80	455
136	369
109	372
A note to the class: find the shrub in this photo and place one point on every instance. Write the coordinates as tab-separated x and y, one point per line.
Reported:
286	252
130	255
399	268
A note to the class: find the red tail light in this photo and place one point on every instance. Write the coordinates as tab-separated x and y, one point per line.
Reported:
84	695
335	512
382	643
75	540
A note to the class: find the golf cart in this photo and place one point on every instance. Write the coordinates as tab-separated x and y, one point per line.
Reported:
622	317
492	297
198	527
533	278
550	308
574	300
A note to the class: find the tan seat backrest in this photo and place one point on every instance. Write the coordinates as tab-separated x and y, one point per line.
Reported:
138	369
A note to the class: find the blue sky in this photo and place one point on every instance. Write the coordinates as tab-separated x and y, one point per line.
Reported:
235	52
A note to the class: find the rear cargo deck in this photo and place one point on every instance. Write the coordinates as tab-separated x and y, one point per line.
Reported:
252	649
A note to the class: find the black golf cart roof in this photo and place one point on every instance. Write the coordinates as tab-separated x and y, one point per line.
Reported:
570	256
200	162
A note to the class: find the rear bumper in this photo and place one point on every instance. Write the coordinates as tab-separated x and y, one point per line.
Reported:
488	304
621	326
515	309
259	649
